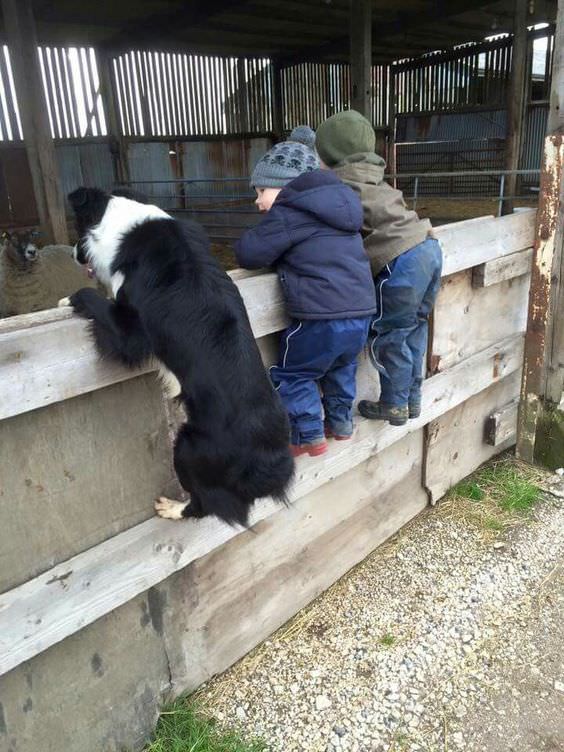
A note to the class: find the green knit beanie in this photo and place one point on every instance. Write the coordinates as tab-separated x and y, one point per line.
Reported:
343	134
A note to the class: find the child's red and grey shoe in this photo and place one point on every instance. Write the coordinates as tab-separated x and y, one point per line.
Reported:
313	448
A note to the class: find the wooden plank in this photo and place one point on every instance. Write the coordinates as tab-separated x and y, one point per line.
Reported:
265	304
499	270
455	444
51	461
467	244
45	364
49	356
467	320
63	600
501	425
39	318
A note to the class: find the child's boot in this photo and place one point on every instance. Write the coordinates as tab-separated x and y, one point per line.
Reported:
314	448
340	431
414	407
396	415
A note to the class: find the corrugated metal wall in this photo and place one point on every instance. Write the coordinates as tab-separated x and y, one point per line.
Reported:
448	142
535	131
84	164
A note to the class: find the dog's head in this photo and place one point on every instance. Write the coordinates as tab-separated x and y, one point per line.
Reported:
89	206
103	220
21	246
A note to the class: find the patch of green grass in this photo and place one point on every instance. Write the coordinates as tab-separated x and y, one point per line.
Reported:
495	497
510	486
387	640
182	728
469	490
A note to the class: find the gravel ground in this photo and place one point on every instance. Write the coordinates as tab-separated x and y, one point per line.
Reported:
444	639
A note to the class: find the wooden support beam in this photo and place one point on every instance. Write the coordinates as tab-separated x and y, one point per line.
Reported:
545	297
516	99
277	108
242	96
392	110
556	113
108	93
543	371
361	57
22	41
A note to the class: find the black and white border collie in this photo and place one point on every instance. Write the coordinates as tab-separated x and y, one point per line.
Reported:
173	302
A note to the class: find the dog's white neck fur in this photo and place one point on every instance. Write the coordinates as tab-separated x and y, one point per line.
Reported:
102	244
102	241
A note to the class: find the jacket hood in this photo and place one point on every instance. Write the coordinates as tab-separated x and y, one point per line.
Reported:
321	194
362	168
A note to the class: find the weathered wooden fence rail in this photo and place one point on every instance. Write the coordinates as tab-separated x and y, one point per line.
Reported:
104	602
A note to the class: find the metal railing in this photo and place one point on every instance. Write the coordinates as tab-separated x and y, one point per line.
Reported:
196	196
417	177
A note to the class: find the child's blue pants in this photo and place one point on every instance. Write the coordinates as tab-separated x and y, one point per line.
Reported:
318	354
405	294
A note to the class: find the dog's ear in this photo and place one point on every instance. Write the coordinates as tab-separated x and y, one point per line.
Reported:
79	197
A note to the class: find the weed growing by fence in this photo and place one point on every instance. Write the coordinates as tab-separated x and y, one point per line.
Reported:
496	497
183	728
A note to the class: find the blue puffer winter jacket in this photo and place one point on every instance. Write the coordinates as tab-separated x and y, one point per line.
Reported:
311	236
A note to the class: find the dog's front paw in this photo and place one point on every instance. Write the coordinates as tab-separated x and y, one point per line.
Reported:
81	301
63	303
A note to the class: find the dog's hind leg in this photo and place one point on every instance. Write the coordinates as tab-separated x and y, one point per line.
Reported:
169	509
178	510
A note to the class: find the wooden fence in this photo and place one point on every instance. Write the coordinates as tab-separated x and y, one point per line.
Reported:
105	609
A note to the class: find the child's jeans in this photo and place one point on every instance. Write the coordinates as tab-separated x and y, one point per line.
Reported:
405	294
314	354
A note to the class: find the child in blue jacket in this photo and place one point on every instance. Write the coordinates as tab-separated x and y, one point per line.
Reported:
311	236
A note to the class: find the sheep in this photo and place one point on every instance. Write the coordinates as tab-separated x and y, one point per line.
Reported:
33	279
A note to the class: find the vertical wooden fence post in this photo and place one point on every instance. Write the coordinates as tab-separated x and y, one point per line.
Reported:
22	42
361	57
516	99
